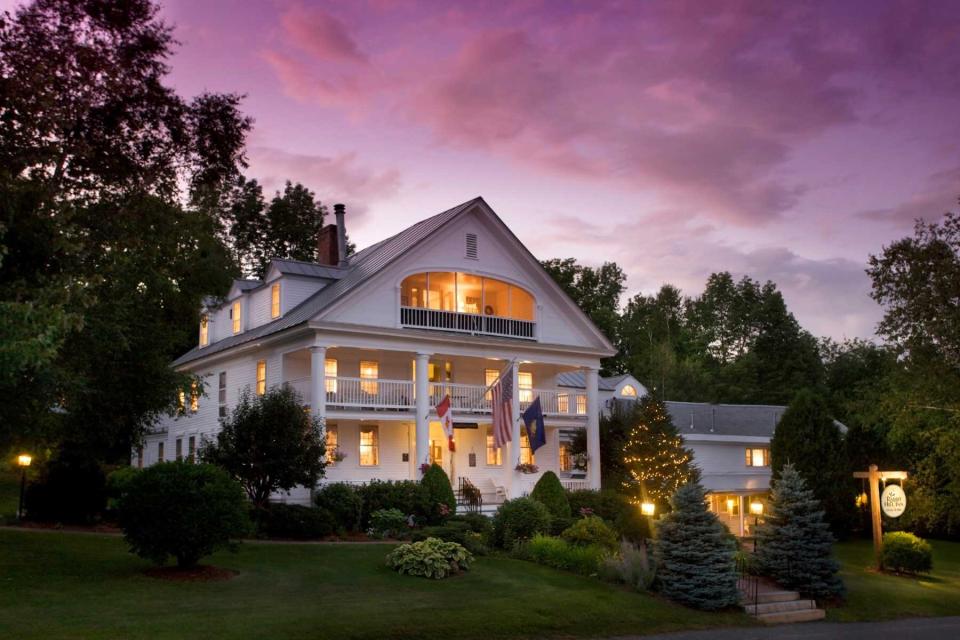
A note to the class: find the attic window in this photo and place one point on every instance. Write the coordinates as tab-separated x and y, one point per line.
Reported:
472	246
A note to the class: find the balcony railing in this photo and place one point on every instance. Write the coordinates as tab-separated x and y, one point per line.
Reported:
467	323
400	395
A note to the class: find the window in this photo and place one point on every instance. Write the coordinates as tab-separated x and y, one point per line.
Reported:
159	452
275	300
413	291
204	330
441	288
565	463
222	395
494	455
235	315
436	452
330	373
526	455
471	251
758	457
191	448
489	377
369	447
469	293
466	293
182	402
628	391
728	504
581	404
369	370
525	384
179	449
332	439
261	377
194	397
563	403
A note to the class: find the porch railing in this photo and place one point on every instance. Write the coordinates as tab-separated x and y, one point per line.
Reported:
467	323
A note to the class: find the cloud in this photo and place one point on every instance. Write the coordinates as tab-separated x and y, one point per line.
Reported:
938	196
321	35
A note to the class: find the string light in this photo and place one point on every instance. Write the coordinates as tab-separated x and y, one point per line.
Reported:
656	460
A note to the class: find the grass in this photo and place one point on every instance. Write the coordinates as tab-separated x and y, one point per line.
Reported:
55	584
878	596
9	495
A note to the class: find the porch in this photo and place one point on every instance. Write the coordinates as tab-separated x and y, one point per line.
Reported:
733	509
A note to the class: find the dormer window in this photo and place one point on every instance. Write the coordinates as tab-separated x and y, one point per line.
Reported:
235	316
628	391
275	300
204	330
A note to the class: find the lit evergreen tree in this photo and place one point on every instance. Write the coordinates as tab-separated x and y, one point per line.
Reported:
695	553
656	462
794	542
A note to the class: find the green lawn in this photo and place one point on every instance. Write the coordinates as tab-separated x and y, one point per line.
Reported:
65	585
9	495
876	596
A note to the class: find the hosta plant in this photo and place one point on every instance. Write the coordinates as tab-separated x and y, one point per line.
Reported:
431	558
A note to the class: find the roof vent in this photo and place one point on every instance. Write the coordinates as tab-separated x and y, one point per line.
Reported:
472	246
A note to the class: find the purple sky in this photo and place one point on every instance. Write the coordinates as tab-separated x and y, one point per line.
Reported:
784	140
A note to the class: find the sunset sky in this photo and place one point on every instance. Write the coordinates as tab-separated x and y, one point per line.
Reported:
784	140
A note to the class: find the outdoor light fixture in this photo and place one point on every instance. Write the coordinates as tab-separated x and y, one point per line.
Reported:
23	461
730	503
862	499
648	508
756	508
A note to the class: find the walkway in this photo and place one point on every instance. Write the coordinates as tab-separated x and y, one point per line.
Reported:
906	629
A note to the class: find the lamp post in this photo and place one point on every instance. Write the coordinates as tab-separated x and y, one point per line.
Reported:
23	461
648	509
756	508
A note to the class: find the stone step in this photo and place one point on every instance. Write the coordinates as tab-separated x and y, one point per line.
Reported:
779	607
777	596
785	617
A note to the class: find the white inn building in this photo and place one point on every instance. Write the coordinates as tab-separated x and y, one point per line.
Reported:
373	341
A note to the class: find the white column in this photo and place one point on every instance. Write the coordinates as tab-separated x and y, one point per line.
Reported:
421	453
743	503
592	377
514	434
318	386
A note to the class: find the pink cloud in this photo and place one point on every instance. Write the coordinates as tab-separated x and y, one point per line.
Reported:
321	35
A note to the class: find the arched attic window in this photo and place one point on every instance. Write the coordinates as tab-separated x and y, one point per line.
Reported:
628	391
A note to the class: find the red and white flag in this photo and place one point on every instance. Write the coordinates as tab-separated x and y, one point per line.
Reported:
446	420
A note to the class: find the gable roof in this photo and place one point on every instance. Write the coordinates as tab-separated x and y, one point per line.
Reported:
752	420
361	266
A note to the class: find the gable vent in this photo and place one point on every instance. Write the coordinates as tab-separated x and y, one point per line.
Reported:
472	246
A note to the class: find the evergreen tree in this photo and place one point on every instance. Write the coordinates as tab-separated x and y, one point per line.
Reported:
695	554
794	542
549	492
808	438
655	460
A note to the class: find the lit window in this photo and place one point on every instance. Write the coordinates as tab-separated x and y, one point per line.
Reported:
204	330
581	404
332	439
469	293
565	462
235	315
261	377
494	454
222	395
275	300
521	304
728	504
526	386
191	448
330	373
369	372
526	455
194	397
179	449
466	293
758	457
628	391
182	402
489	377
563	403
159	452
436	452
369	447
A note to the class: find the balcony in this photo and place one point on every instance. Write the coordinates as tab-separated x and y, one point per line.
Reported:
346	393
467	323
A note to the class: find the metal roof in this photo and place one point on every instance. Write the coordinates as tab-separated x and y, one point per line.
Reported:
576	380
758	420
310	269
247	285
360	268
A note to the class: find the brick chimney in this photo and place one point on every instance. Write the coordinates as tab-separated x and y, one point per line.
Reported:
339	211
328	247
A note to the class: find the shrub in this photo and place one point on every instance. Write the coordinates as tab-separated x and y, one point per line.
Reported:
431	558
615	509
183	510
453	531
344	504
592	530
71	489
695	558
474	521
406	495
518	520
906	553
388	523
557	553
117	483
632	566
439	494
549	491
295	522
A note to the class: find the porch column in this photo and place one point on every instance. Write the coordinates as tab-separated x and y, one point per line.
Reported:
514	430
422	408
743	503
318	384
592	378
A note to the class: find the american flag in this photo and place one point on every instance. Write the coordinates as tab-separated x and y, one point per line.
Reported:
502	394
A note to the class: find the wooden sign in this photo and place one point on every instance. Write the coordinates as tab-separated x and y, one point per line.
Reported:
893	501
874	477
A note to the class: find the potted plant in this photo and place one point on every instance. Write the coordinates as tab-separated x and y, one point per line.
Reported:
527	467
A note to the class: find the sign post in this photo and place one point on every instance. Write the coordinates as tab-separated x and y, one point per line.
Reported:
894	502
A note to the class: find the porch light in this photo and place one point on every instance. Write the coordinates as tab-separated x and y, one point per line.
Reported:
24	460
730	503
756	508
862	499
648	508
